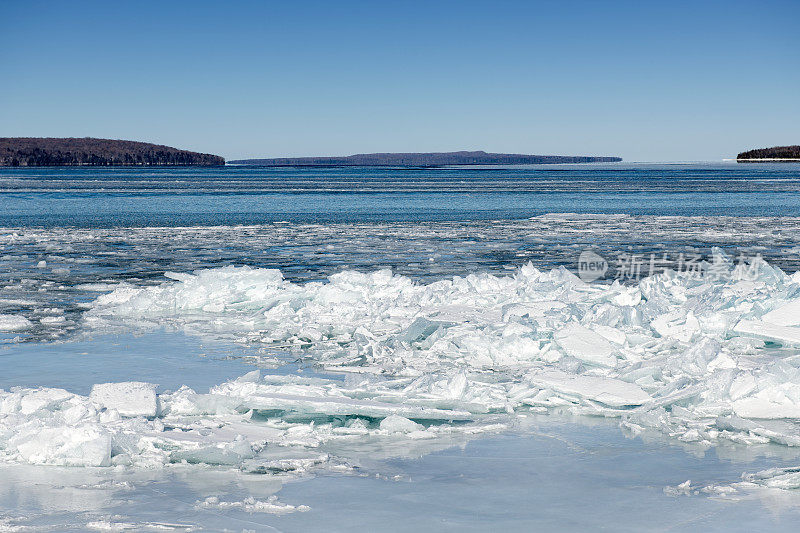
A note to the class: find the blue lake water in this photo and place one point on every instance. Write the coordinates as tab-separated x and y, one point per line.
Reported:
102	197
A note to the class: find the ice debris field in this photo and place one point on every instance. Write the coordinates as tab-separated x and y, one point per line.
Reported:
700	359
49	275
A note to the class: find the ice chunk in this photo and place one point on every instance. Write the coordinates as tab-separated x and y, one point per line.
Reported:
52	320
628	297
67	446
14	323
420	329
678	324
399	424
42	399
251	505
759	407
187	402
215	454
584	344
743	385
779	401
684	489
608	391
131	398
695	361
612	334
253	376
531	309
778	478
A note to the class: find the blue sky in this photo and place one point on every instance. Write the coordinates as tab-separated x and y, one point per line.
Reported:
648	81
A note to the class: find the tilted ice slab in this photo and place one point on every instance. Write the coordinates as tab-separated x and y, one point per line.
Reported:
701	359
607	391
763	329
584	344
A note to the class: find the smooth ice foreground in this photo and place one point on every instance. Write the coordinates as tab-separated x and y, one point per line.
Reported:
551	475
702	359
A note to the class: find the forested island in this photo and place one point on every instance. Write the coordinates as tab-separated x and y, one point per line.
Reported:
88	151
776	153
425	159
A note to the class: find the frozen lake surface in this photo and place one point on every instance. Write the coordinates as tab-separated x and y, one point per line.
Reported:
400	349
546	472
567	478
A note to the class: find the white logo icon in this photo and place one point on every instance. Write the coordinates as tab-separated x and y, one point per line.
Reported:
591	266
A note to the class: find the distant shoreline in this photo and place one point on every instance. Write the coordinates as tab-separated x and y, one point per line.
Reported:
773	159
423	159
340	165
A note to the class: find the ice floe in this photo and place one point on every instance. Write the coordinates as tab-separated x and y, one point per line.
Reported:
14	323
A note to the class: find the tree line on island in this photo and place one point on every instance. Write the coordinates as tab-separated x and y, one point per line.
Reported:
88	151
776	153
421	159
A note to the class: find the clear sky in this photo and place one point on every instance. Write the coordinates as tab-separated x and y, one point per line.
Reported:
648	81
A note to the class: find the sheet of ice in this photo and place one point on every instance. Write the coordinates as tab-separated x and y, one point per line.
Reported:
770	331
170	358
787	314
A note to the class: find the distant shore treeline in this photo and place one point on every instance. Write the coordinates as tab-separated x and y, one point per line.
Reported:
426	159
787	153
49	151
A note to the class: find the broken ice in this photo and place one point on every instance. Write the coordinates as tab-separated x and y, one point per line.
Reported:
702	360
